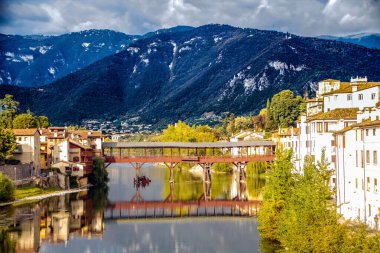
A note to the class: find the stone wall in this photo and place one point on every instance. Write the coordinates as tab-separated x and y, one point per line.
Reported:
22	171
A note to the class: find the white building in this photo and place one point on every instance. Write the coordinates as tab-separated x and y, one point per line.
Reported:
343	120
358	168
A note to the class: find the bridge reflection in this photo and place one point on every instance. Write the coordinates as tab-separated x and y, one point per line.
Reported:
138	208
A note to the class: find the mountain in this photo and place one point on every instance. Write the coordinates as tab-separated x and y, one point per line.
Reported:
363	39
37	60
196	74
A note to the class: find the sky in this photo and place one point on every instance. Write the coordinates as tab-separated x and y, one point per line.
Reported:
301	17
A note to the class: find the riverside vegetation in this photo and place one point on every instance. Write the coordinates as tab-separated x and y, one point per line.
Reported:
299	214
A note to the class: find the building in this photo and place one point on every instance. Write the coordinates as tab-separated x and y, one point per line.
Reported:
93	139
50	137
70	155
343	121
357	150
28	150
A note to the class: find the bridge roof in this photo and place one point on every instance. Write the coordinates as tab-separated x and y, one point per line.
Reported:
258	143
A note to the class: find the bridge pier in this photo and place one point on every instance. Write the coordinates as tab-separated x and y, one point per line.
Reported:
241	167
171	167
137	166
206	172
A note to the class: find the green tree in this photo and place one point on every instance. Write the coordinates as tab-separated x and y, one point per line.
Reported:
269	123
99	176
285	108
181	132
42	121
9	108
7	143
231	124
6	188
274	198
7	245
309	223
24	120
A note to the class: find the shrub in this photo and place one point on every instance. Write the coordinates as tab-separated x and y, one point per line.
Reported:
6	188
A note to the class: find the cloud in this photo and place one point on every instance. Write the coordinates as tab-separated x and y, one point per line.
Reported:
309	18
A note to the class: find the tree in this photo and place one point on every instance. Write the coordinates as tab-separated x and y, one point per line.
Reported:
6	188
309	223
274	198
24	120
7	143
99	176
269	124
185	133
231	124
285	108
42	121
9	108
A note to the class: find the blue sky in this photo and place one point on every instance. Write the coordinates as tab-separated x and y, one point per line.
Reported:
303	17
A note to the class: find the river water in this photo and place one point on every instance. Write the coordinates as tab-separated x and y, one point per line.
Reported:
187	216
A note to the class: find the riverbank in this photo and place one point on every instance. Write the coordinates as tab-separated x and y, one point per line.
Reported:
39	196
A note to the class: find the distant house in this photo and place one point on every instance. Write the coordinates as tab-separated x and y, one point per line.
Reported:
248	136
28	151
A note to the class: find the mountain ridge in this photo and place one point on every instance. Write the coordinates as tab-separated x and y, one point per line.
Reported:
211	69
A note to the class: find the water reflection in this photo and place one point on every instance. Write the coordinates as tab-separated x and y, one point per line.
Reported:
96	221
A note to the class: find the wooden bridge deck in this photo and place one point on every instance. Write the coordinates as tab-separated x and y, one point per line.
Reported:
201	152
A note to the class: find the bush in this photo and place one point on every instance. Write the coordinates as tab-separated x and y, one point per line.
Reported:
99	176
12	160
222	167
6	188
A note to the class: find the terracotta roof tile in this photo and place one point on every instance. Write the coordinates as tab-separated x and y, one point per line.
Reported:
24	132
336	114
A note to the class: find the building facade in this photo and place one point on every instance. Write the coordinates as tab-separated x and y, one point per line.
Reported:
28	151
343	121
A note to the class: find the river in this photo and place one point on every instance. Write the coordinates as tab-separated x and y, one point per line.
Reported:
187	216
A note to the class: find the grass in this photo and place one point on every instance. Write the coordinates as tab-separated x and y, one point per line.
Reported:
30	191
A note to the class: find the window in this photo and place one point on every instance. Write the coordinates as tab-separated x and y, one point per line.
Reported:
335	97
326	127
349	97
375	157
362	158
357	160
374	132
356	183
368	184
319	127
366	132
363	184
344	141
367	157
356	135
307	129
333	159
375	184
373	96
19	139
360	97
369	209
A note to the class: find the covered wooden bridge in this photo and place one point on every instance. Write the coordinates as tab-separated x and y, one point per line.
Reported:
202	153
